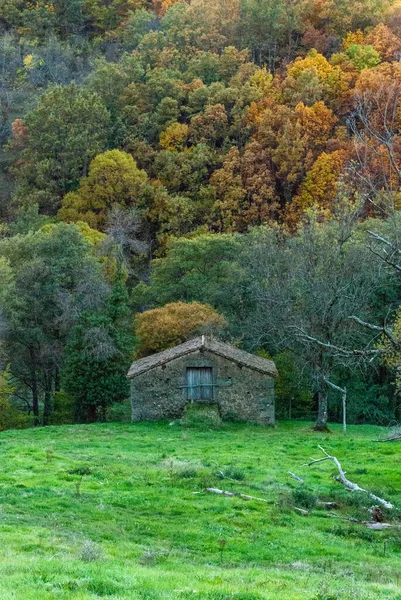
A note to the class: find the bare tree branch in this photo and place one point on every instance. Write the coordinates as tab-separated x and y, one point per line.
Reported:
342	478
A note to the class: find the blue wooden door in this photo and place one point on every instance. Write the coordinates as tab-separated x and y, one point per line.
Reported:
200	383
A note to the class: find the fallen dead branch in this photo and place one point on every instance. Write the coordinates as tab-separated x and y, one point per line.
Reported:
231	494
302	511
296	477
391	439
368	524
392	434
326	505
342	478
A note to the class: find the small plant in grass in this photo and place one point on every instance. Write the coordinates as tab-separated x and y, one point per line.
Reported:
222	545
182	469
202	416
231	473
49	454
151	556
81	472
304	498
90	552
324	594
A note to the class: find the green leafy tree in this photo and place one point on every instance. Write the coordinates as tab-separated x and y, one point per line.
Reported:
363	57
97	357
48	278
305	287
10	417
66	130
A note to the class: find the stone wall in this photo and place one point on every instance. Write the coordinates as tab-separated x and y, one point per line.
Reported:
241	393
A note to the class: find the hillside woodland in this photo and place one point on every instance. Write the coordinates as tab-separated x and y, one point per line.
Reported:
230	167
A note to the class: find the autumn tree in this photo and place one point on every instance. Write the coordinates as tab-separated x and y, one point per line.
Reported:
385	42
320	186
113	180
174	323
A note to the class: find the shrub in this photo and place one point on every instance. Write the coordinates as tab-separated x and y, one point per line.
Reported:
120	412
303	497
232	473
90	552
10	417
63	411
202	416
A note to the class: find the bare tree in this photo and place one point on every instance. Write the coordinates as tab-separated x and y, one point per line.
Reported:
304	287
126	237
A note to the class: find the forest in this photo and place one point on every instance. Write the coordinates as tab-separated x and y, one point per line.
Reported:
228	167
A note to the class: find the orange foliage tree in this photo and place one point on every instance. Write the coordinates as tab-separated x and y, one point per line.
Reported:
174	323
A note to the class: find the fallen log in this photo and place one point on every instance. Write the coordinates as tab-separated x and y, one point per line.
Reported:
368	524
391	439
302	511
346	482
296	477
376	526
327	505
231	494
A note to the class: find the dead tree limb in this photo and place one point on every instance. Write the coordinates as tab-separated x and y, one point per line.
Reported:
296	477
231	494
386	332
368	524
338	349
301	511
342	478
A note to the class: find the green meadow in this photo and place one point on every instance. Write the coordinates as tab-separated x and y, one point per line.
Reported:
118	511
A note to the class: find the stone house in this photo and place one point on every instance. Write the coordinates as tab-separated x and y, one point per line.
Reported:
207	371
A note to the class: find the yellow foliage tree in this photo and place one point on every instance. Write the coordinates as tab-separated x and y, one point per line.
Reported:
174	137
113	180
174	323
161	6
318	122
315	77
320	186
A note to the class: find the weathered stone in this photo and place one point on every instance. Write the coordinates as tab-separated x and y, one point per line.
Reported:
243	393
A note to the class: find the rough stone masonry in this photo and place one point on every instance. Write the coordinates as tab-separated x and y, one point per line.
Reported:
203	370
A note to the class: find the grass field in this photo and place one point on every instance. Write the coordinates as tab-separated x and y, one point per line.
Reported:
108	511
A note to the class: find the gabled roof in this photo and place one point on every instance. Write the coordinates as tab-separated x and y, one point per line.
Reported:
219	348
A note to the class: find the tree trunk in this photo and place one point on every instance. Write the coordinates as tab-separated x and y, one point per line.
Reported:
47	407
35	398
91	414
322	414
48	403
57	384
